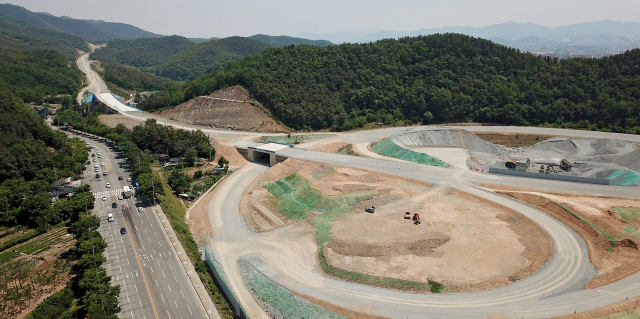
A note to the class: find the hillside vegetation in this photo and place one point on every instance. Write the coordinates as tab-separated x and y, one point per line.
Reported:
33	75
179	58
95	31
132	79
441	78
18	34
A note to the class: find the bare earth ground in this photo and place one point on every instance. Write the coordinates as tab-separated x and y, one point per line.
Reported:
113	120
512	139
455	244
227	108
612	266
229	152
198	220
330	147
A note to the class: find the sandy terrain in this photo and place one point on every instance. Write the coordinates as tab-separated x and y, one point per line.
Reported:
333	147
455	244
113	120
227	108
229	152
597	210
198	220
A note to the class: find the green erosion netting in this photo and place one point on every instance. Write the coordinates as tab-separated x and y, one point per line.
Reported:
294	139
387	147
297	199
628	213
624	178
285	302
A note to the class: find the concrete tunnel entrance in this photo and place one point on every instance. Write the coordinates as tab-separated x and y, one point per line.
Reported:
265	153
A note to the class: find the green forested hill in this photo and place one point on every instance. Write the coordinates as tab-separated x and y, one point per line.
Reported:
95	31
443	77
283	40
18	34
130	78
32	75
143	52
203	58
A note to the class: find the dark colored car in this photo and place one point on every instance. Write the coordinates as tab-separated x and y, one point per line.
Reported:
114	205
123	230
97	175
120	178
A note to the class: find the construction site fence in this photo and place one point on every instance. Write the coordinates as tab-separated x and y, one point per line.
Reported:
577	179
218	273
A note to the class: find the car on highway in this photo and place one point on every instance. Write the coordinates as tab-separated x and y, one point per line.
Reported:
104	198
93	155
94	159
108	185
123	230
129	179
114	205
101	163
120	197
120	178
104	173
140	209
99	156
97	175
95	165
110	217
95	169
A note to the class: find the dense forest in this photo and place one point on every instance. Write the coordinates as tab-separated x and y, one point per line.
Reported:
179	58
283	40
94	31
132	79
18	34
437	78
35	74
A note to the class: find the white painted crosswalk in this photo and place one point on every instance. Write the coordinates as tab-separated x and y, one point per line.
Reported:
111	192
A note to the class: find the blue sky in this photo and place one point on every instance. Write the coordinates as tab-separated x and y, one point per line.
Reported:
213	18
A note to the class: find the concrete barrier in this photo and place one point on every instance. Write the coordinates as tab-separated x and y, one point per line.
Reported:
577	179
218	273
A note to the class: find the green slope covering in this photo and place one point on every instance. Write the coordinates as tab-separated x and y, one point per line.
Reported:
387	147
455	77
132	79
283	40
18	34
33	75
203	58
143	52
95	31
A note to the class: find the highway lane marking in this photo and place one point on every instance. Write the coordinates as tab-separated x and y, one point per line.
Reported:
168	314
169	288
174	301
182	295
163	274
155	234
162	298
174	277
157	283
189	310
143	277
136	288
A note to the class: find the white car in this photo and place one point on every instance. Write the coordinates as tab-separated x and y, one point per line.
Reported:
95	165
120	197
110	217
99	156
94	159
129	179
140	209
95	169
101	163
104	198
108	185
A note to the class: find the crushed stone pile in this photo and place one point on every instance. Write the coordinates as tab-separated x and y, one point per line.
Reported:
446	137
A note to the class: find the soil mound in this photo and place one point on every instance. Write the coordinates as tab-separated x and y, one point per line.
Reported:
562	145
231	108
445	137
630	160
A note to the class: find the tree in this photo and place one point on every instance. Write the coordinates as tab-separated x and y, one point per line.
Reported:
146	187
222	161
427	118
190	156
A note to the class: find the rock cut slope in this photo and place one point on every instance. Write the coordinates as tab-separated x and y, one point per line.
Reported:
230	108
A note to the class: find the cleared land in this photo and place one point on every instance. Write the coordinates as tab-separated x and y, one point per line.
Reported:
231	108
454	245
512	139
337	148
112	120
599	221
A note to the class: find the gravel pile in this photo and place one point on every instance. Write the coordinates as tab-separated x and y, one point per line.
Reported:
630	160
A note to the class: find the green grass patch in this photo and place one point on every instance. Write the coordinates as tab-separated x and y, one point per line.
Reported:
628	213
175	214
347	150
285	302
622	315
293	139
37	246
297	198
389	148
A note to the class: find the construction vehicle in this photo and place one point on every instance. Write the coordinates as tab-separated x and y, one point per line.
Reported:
371	209
565	165
416	219
407	215
510	165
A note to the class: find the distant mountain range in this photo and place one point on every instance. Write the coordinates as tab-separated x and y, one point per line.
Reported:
506	31
92	30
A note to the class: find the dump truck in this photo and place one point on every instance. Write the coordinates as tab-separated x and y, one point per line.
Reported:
510	165
565	164
416	219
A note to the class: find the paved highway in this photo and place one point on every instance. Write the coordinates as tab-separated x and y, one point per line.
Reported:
553	290
143	261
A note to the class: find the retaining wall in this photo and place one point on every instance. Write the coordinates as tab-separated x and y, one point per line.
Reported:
576	179
222	282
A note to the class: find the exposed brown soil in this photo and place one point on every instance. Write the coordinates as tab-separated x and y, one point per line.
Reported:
512	139
227	108
597	210
455	244
334	147
229	152
198	219
351	314
113	120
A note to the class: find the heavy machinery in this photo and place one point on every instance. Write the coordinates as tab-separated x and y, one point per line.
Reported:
407	215
416	219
